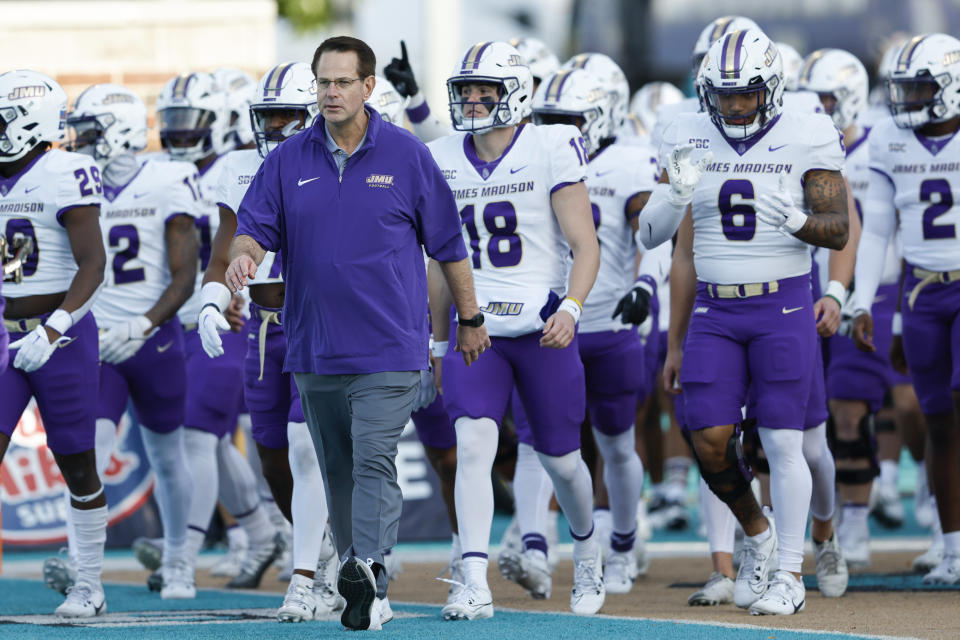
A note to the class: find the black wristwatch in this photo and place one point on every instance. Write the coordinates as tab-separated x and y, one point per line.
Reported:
475	321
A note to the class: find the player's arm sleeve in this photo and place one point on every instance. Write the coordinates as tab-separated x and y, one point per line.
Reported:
879	221
436	216
261	209
426	125
655	267
78	185
567	156
660	218
644	176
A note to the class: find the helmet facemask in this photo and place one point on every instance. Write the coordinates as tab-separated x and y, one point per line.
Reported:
185	132
740	112
489	111
266	118
915	102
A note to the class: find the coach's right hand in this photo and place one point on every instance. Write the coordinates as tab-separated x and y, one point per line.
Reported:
471	342
242	269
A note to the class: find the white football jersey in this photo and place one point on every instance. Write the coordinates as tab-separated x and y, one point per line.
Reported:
32	203
208	221
805	101
666	114
925	175
730	245
614	176
512	236
133	224
239	168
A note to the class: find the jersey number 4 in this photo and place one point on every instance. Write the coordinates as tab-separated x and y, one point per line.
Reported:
504	248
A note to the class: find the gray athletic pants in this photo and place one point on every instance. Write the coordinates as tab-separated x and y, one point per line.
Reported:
355	422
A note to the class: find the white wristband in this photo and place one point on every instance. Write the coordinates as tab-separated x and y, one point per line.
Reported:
216	294
60	321
837	291
572	307
438	348
897	324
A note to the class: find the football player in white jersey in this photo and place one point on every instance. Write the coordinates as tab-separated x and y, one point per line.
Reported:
151	243
644	106
194	123
239	87
52	198
915	175
285	103
619	180
522	204
728	348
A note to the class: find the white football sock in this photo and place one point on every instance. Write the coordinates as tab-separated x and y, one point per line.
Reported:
473	489
106	440
309	502
238	493
574	489
790	487
823	471
90	531
720	522
202	461
889	472
531	493
623	476
175	486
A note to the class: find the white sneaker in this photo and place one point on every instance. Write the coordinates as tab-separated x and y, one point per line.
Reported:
755	567
854	540
529	570
929	559
832	573
358	586
178	581
886	505
84	600
299	605
325	577
393	565
588	591
258	559
59	573
386	613
472	602
947	572
784	597
149	552
512	540
620	571
229	565
718	590
457	579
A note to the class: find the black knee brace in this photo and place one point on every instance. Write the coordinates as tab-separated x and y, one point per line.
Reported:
753	448
863	448
884	425
733	481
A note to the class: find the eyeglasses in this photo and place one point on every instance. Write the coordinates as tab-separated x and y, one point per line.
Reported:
342	83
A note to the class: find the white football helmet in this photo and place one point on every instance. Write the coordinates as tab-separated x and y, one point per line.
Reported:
610	73
841	75
792	64
491	63
924	83
651	97
33	108
541	60
192	117
289	87
240	87
577	97
743	63
713	31
389	104
107	120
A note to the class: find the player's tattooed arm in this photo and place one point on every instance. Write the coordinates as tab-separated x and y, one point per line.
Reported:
828	225
183	246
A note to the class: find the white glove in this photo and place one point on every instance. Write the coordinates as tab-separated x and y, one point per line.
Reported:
211	323
122	341
35	349
428	390
684	174
777	209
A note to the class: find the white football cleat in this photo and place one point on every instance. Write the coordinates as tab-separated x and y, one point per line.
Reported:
832	573
923	505
854	540
620	571
325	577
529	570
511	539
784	597
588	592
947	572
178	581
886	505
229	565
718	590
457	579
84	600
299	605
472	602
59	573
755	567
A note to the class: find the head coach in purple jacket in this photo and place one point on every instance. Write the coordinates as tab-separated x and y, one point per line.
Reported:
348	204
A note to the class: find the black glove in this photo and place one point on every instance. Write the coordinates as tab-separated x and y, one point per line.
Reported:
400	74
634	307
